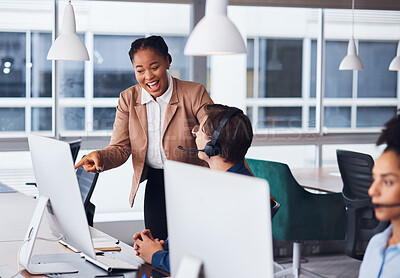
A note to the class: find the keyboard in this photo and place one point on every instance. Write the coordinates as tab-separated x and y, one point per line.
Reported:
109	262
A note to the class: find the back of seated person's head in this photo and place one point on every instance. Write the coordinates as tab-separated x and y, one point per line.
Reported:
235	137
390	135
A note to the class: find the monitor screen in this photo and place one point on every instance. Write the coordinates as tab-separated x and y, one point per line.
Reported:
221	218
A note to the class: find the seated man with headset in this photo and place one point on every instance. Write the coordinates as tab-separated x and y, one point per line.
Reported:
222	139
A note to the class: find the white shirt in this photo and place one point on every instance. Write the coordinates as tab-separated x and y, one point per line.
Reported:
155	109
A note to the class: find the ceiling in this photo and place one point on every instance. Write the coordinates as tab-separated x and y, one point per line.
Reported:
334	4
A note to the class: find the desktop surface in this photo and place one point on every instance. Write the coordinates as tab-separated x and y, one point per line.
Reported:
16	210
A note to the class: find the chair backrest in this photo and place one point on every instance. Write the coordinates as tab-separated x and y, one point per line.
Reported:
75	147
302	215
356	171
87	182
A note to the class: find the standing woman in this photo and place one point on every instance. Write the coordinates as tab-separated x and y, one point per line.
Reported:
153	118
382	257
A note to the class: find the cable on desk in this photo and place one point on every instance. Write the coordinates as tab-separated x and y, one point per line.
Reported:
18	253
42	238
23	243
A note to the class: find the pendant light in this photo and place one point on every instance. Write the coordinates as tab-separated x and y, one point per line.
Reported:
395	64
215	33
68	46
351	61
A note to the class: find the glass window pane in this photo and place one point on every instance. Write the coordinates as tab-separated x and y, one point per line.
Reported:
337	116
12	64
72	77
103	118
374	116
338	83
12	119
313	75
250	68
113	70
41	67
376	80
41	118
180	62
74	118
249	113
311	117
280	68
278	117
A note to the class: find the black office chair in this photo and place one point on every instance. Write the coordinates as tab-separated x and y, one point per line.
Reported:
356	171
87	182
75	147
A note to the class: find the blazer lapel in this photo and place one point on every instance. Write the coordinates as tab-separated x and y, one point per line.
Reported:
141	113
171	109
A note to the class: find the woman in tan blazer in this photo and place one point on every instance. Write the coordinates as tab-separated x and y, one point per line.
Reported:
153	118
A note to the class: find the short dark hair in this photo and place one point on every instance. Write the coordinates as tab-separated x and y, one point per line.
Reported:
391	135
235	137
155	43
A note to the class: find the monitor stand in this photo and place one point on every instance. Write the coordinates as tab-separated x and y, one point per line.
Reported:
189	267
29	241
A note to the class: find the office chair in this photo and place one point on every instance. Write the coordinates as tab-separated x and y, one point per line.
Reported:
75	147
356	171
302	215
87	182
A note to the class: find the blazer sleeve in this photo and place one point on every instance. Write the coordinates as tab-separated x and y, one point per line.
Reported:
119	149
201	98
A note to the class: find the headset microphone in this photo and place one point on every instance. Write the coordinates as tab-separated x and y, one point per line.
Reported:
385	206
190	150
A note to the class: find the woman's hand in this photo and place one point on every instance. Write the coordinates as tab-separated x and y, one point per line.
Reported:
145	245
91	162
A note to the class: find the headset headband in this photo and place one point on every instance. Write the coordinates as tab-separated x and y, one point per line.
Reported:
232	112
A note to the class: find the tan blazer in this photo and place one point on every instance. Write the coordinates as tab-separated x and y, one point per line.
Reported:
130	133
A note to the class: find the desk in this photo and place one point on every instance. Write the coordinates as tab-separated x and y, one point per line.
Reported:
16	210
326	179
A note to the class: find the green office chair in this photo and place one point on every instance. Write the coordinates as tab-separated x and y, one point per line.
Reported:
302	215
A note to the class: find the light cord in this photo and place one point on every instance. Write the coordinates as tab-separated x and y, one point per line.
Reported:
352	25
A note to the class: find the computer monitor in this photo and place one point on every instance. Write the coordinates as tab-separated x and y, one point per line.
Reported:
60	199
222	219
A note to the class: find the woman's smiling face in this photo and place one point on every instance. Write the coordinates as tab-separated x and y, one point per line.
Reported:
151	71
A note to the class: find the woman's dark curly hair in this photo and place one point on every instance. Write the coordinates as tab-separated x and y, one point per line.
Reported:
391	134
155	43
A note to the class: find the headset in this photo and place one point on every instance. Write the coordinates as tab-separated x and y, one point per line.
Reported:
212	148
385	205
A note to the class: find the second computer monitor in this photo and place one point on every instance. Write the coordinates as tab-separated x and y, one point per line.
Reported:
221	218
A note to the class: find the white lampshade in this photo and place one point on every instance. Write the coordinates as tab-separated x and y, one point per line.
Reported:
215	33
351	61
68	46
395	64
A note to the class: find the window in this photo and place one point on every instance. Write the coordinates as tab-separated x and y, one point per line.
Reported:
282	75
12	64
280	68
113	72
